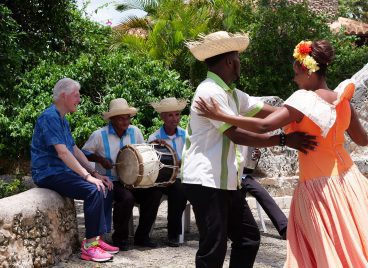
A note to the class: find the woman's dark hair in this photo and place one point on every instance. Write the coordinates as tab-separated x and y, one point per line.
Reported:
323	53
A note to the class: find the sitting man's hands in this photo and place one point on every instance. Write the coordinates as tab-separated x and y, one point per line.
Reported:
105	180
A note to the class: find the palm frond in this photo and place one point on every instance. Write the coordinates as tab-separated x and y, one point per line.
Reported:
122	7
133	22
132	42
148	6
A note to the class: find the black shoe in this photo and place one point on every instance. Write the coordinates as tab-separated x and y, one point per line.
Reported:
122	245
173	241
145	243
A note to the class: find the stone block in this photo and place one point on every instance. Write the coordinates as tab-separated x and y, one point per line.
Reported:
38	228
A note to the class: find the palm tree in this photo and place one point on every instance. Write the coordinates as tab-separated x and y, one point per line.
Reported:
167	24
161	34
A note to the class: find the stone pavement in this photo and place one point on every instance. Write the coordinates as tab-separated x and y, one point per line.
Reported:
272	251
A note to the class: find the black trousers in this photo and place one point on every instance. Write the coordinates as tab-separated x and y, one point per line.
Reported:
124	199
278	218
176	202
221	214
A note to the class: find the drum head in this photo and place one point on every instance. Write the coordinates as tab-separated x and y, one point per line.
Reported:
168	158
128	166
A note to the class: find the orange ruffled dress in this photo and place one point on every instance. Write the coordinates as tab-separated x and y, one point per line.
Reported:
328	220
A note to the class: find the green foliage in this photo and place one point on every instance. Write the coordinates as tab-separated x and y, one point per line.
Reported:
45	24
102	77
267	63
38	29
11	55
232	15
11	188
355	9
274	27
348	60
54	26
171	23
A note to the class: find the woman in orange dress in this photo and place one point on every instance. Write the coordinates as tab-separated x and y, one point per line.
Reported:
328	223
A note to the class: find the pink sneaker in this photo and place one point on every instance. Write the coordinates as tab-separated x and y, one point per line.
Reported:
106	247
95	253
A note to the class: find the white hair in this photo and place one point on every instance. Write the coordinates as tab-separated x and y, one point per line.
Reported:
66	85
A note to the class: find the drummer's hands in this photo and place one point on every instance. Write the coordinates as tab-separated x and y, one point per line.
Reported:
106	181
301	141
106	163
159	142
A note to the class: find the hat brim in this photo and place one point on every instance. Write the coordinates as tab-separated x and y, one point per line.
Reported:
131	111
171	107
216	47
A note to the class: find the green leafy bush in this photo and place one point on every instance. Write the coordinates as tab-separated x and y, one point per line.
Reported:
11	54
278	27
11	188
348	60
54	26
102	77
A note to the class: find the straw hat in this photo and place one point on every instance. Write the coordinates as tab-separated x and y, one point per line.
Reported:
169	105
118	107
217	43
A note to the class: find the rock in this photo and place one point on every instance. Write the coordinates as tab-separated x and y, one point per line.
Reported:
34	218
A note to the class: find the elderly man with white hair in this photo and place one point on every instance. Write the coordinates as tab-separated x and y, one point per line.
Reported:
173	135
58	164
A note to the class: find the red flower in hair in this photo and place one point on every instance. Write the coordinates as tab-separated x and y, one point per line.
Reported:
301	54
304	48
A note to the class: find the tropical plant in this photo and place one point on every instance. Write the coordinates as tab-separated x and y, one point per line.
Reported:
171	23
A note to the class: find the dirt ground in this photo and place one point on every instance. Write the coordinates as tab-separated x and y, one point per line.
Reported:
272	251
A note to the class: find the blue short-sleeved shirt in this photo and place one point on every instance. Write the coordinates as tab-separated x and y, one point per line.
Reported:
50	129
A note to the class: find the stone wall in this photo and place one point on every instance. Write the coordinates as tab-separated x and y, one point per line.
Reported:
328	8
37	229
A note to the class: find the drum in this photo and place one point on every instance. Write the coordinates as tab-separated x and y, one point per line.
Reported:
146	165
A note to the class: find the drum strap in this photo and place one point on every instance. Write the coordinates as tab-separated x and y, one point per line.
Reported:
106	145
131	135
129	131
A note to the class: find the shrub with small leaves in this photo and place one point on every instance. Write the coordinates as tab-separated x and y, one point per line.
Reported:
103	77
